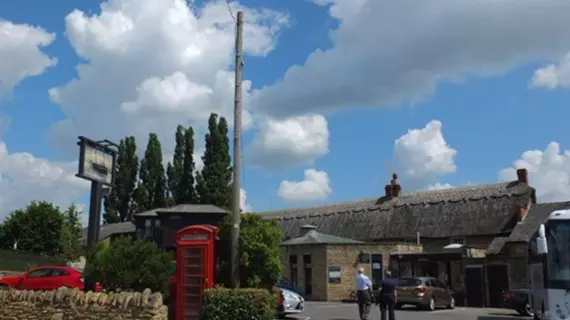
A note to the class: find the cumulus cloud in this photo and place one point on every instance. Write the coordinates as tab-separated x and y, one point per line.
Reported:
421	156
281	144
388	52
439	186
553	75
151	65
548	172
25	178
314	186
20	49
243	204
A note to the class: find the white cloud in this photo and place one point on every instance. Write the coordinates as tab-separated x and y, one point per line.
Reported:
25	178
548	172
243	204
553	76
20	49
152	65
315	186
387	52
421	156
286	143
440	186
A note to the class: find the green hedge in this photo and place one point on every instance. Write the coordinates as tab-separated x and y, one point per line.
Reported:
233	304
22	261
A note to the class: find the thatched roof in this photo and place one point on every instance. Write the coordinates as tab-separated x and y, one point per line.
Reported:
536	215
474	210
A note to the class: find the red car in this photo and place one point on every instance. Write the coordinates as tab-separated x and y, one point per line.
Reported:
48	277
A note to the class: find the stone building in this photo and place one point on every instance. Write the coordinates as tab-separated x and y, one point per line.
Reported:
457	229
323	266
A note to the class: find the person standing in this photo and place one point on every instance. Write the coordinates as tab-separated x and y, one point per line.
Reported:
363	294
387	296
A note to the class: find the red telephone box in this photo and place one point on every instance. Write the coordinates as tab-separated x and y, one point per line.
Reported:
194	268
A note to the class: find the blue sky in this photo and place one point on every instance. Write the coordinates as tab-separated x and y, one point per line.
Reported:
361	83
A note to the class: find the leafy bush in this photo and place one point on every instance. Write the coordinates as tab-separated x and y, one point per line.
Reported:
259	251
231	304
130	265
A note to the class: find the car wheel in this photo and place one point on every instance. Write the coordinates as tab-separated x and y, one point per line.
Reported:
451	304
281	316
4	287
431	304
527	311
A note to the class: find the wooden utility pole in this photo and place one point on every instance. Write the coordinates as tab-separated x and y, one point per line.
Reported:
236	210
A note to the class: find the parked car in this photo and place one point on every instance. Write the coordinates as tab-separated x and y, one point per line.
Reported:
284	283
424	292
288	303
518	300
47	277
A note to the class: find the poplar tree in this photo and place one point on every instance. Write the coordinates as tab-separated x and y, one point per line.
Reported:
119	203
213	183
180	171
151	190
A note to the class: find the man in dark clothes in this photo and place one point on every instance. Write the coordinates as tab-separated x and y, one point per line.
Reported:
363	294
387	296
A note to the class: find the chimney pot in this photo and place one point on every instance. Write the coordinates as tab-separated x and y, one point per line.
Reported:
522	175
396	188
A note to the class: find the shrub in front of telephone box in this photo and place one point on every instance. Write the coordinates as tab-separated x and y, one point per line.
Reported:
232	304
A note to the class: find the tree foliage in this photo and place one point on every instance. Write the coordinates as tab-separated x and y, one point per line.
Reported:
180	171
42	228
151	190
259	251
119	203
130	265
213	182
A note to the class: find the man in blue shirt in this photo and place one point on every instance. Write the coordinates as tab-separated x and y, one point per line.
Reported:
387	296
363	294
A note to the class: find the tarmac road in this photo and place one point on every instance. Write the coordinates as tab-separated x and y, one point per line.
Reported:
348	311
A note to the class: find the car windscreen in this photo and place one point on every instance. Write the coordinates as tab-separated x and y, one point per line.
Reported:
409	282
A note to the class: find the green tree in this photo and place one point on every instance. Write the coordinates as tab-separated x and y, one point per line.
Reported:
180	171
119	203
151	190
259	251
36	228
130	265
213	182
71	231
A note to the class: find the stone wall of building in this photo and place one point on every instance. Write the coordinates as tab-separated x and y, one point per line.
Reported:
318	268
72	304
346	257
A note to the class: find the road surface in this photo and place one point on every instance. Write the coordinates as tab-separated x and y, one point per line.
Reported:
346	311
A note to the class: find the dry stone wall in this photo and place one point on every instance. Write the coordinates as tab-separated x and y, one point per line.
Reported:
72	304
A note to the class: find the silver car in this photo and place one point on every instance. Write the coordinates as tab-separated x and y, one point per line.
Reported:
290	303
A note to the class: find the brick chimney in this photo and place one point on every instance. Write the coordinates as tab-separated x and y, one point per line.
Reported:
522	175
396	188
388	190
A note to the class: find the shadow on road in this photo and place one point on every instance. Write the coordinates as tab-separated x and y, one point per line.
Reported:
501	317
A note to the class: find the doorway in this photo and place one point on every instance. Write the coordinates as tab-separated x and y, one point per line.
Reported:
308	274
498	282
474	286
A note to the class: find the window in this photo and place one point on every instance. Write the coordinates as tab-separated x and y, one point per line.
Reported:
409	282
39	273
457	240
293	269
334	275
147	228
307	263
59	272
